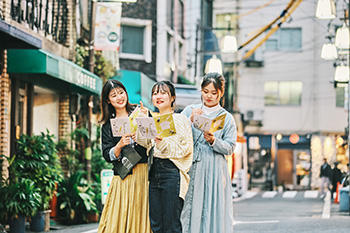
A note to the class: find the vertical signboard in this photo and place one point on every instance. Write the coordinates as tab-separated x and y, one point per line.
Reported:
106	179
107	26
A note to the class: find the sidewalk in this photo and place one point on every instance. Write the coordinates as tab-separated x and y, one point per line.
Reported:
82	228
335	210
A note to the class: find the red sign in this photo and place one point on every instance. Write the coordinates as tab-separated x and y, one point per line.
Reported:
294	138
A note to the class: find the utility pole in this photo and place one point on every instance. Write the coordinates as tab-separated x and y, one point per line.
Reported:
348	58
88	150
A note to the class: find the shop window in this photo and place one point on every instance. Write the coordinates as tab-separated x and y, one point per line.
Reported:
45	111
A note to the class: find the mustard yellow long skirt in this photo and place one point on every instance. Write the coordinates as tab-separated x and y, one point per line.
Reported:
126	207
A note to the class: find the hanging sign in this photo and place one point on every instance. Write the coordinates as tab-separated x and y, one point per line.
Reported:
294	138
107	26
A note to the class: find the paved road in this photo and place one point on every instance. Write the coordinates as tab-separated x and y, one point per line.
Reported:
272	212
288	212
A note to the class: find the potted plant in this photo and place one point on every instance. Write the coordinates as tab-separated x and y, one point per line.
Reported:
37	159
75	199
20	197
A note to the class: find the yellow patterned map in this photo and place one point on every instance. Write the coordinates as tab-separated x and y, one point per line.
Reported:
164	124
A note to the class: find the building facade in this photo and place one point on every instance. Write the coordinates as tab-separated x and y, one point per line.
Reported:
38	78
288	104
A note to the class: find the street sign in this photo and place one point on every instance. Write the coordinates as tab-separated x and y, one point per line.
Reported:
106	179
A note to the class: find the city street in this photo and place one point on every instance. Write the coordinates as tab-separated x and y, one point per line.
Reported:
287	212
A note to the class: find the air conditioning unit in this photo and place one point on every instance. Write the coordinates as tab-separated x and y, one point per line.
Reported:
254	115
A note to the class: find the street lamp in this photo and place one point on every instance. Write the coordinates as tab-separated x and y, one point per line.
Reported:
342	37
325	9
213	65
341	73
329	51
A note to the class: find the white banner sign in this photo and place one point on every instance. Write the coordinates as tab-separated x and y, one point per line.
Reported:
106	179
107	26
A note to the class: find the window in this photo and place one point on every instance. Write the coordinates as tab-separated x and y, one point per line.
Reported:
170	13
283	93
180	18
136	39
132	39
287	39
340	97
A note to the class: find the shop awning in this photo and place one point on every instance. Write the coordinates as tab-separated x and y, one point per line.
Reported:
12	37
43	68
138	85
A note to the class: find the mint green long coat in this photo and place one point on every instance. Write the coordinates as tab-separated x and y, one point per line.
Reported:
208	203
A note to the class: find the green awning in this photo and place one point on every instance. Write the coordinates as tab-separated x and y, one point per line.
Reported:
133	81
43	68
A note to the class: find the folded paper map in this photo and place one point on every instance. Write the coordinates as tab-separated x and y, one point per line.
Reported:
164	124
207	125
120	126
132	118
146	127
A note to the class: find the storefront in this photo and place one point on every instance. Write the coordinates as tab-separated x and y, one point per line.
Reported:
260	160
41	87
293	161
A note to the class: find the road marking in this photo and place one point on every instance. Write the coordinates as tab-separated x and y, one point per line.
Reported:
269	194
255	222
311	194
326	212
289	194
90	231
250	194
247	195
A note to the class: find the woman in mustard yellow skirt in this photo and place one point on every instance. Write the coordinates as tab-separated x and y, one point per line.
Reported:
126	207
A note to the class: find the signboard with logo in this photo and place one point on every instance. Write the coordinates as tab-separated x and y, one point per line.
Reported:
106	179
107	26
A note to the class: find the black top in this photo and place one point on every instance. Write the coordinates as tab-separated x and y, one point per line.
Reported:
108	141
326	170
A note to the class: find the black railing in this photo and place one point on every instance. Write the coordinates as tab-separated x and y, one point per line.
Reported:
49	16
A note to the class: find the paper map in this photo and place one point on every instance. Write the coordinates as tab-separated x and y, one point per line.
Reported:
149	127
120	126
146	127
132	118
165	125
207	125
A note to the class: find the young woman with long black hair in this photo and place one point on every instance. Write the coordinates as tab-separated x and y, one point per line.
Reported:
126	207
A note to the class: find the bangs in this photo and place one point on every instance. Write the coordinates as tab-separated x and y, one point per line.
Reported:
161	87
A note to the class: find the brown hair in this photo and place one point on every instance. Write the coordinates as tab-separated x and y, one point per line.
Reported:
165	86
218	81
108	111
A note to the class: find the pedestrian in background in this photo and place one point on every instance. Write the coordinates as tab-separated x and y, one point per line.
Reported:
326	175
126	207
208	203
172	159
336	177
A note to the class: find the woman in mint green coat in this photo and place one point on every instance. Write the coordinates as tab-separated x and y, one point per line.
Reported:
208	203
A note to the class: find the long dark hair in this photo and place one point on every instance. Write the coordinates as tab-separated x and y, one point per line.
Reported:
167	87
218	81
108	111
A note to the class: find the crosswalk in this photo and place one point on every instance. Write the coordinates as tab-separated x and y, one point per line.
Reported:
309	194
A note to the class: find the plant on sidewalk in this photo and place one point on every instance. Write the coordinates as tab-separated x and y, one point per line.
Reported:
37	160
75	199
20	196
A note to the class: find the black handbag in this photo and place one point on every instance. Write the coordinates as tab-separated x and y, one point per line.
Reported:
129	158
